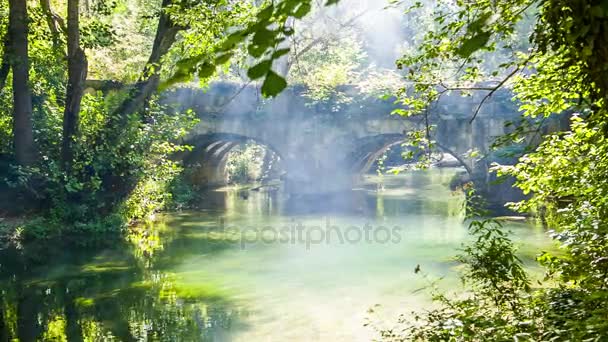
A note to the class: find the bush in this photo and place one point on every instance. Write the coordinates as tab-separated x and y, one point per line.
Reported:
117	176
565	176
184	193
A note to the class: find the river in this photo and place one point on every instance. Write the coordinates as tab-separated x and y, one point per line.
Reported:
251	266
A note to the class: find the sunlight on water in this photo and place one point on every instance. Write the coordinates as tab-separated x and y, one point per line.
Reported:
262	267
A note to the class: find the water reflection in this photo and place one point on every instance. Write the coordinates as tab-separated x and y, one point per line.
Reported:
84	295
187	278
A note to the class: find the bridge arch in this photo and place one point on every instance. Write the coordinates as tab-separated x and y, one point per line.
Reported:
367	150
209	156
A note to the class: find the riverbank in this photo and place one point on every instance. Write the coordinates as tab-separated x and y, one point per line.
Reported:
16	229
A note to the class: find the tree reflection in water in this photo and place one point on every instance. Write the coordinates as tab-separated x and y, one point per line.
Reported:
106	293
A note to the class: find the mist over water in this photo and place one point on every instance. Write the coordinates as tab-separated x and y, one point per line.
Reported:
203	276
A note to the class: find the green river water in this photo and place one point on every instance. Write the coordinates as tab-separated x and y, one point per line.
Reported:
253	266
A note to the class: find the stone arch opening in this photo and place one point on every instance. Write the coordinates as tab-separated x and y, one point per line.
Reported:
208	161
368	150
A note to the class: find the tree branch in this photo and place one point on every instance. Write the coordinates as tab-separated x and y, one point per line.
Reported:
488	95
54	21
149	80
319	40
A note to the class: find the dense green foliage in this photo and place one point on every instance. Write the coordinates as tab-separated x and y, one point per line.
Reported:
562	72
119	138
121	169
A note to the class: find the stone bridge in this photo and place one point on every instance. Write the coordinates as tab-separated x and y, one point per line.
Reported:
325	147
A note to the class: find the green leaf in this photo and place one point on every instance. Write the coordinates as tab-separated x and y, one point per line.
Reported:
331	2
221	59
178	77
266	13
264	37
469	46
288	31
256	51
273	84
259	70
279	53
302	10
477	25
189	63
206	70
232	40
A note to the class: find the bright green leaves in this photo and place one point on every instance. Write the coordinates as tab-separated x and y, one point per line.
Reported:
263	36
564	173
197	65
467	43
223	58
273	83
232	41
267	33
186	68
266	14
96	27
97	34
203	44
478	25
577	31
280	53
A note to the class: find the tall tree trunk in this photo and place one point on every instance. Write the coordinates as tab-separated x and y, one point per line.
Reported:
77	73
23	137
140	93
148	82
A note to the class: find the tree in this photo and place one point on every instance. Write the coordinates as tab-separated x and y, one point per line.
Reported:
23	136
105	153
54	22
77	73
562	73
149	80
263	38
